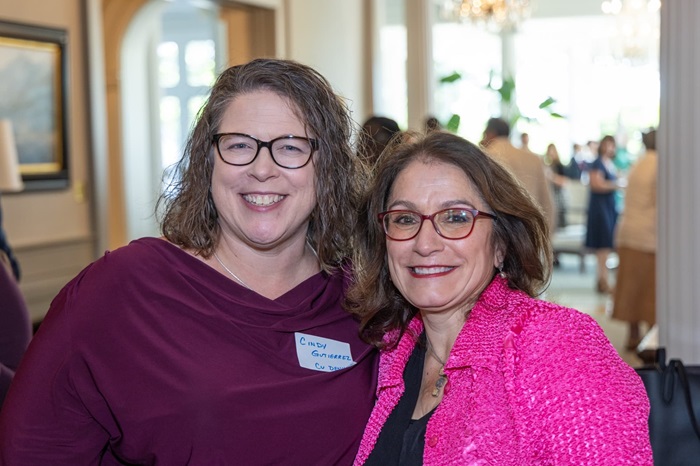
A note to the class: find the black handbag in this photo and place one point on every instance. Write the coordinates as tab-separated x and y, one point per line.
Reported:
673	422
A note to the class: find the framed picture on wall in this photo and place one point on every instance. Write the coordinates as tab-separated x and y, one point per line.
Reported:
33	73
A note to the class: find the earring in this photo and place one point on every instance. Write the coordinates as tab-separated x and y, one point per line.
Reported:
501	273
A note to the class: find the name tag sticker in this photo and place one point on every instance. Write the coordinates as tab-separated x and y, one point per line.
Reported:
322	354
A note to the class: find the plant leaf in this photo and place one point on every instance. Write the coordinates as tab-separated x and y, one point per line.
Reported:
453	123
507	89
455	76
557	115
547	102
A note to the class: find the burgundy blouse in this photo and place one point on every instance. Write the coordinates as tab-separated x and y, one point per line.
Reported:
150	356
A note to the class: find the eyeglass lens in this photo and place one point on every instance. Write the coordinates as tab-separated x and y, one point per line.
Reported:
288	152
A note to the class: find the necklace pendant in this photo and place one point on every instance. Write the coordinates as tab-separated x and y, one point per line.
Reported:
440	382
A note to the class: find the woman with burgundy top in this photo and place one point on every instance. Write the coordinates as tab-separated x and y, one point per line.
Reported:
224	342
474	369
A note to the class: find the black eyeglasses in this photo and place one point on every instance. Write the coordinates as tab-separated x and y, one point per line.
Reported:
402	225
286	151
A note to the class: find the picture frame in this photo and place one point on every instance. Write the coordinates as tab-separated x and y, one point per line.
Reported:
34	73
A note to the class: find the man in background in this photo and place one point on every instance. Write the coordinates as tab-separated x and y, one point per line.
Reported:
525	142
526	166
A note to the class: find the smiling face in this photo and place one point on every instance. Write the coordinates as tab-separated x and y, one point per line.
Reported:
433	273
262	204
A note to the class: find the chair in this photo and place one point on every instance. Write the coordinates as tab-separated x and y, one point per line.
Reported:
570	239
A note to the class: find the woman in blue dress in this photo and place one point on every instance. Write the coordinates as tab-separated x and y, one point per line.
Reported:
602	210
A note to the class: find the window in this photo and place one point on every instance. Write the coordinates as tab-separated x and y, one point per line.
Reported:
598	91
186	71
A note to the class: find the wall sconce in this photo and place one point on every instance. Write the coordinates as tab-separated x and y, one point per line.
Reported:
10	177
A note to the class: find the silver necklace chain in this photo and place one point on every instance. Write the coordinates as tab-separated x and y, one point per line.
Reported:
432	351
441	380
244	283
230	273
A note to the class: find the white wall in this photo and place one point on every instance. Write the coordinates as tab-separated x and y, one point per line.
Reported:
52	231
328	35
49	216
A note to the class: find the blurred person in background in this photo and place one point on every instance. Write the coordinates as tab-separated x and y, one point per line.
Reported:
15	326
527	167
432	124
556	173
577	164
7	250
377	132
602	209
525	141
635	288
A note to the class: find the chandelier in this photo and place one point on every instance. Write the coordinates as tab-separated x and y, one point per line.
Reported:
495	15
637	28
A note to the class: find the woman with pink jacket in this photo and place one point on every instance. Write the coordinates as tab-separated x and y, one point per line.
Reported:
474	368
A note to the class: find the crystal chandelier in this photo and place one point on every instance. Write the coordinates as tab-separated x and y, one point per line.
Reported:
495	15
637	28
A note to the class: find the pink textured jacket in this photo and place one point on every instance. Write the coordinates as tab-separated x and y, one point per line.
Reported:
529	382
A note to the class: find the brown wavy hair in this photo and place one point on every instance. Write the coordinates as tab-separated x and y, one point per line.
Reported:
520	229
186	209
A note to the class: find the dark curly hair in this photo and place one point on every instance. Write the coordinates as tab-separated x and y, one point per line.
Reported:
520	230
188	215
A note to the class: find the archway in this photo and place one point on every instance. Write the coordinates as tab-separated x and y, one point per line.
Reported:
131	29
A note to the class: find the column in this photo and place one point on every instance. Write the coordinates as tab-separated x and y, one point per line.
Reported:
678	144
420	78
507	36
